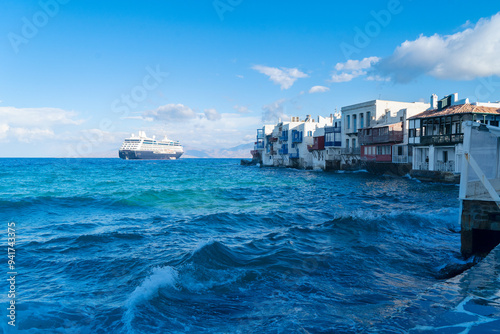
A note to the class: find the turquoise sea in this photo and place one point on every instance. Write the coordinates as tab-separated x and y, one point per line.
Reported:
209	246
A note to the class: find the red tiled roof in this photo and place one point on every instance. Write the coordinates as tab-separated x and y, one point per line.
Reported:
458	109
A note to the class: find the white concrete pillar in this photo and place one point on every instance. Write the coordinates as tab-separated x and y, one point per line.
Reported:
432	157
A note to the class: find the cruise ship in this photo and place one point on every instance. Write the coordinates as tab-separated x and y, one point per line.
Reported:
144	148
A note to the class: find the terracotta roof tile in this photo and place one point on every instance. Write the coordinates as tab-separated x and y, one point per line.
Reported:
458	109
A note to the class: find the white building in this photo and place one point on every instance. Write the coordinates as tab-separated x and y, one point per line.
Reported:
286	143
372	114
367	114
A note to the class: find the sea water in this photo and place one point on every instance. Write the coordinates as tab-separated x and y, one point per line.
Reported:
209	246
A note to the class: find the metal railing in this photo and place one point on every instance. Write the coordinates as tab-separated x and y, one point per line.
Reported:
442	166
333	143
355	150
442	139
392	136
400	159
421	166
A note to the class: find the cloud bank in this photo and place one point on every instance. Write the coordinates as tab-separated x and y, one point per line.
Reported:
465	55
33	124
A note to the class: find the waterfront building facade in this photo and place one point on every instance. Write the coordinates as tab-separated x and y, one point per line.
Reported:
436	135
286	143
370	124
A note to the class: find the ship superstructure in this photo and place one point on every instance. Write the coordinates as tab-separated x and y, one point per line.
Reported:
142	147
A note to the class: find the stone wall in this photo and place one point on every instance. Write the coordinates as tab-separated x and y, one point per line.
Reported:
480	230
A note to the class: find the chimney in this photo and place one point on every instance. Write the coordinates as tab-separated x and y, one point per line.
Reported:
434	101
455	97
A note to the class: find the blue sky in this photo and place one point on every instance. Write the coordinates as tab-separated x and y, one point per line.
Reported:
77	77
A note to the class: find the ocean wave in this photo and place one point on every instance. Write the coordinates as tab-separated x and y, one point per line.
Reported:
160	277
214	254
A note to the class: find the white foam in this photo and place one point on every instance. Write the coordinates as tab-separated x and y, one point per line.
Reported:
202	244
161	277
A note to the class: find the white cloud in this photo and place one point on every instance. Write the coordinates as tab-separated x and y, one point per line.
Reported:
465	55
33	124
4	131
28	135
242	109
39	117
170	112
318	89
274	111
352	69
377	78
285	77
356	65
212	115
346	77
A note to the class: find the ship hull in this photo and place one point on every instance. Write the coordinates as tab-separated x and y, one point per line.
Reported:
148	155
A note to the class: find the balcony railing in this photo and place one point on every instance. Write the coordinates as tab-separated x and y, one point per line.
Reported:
442	139
355	150
400	159
448	166
421	166
329	129
391	137
333	143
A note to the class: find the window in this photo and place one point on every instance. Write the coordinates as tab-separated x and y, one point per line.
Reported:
348	121
354	123
400	150
309	133
445	156
361	122
353	143
383	150
368	116
347	143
